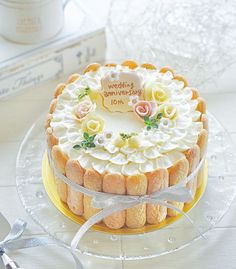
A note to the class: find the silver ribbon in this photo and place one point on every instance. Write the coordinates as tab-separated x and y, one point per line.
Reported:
112	203
14	242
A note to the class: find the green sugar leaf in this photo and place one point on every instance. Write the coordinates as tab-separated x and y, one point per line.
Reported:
83	93
86	136
146	118
87	142
91	138
76	147
92	145
159	116
153	121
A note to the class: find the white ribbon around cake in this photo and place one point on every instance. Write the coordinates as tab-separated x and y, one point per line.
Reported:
112	203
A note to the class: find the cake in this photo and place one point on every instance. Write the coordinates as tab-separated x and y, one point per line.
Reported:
126	129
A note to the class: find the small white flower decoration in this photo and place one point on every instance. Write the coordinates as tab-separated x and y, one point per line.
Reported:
166	123
108	135
99	140
133	100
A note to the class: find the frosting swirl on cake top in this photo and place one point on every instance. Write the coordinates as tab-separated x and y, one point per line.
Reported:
135	127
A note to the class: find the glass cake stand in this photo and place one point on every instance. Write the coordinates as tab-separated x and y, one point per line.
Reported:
215	202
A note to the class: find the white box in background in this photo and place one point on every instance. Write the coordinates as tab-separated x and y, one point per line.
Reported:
81	42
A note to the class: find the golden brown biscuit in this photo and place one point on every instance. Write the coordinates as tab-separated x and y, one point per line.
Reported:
75	201
59	89
92	67
177	172
62	190
114	183
201	105
51	139
52	106
89	210
72	78
148	66
195	93
164	69
130	63
60	158
202	141
193	157
111	65
136	216
181	78
48	121
74	171
204	120
157	180
92	181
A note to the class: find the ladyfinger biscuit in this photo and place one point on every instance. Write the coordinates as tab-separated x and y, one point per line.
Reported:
52	105
193	157
111	64
130	63
92	181
136	216
164	69
201	105
177	172
181	78
51	139
157	180
92	67
48	121
204	120
114	183
148	66
75	201
72	78
195	93
62	189
60	158
59	89
75	172
202	141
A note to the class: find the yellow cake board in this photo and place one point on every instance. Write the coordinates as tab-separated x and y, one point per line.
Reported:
51	189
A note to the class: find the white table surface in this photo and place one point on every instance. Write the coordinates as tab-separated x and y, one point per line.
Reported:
18	112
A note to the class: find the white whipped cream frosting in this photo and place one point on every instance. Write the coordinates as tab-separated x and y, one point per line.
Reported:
159	148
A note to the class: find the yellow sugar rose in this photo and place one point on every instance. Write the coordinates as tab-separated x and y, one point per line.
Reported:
119	142
168	111
94	95
93	124
133	142
155	93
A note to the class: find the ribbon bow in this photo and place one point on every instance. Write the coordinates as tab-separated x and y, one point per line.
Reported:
111	203
115	203
14	242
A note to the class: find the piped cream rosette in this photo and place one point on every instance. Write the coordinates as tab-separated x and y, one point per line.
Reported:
92	148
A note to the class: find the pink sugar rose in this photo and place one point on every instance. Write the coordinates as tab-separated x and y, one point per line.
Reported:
145	108
83	109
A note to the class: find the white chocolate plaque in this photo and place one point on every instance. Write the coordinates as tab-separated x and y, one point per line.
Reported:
117	87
